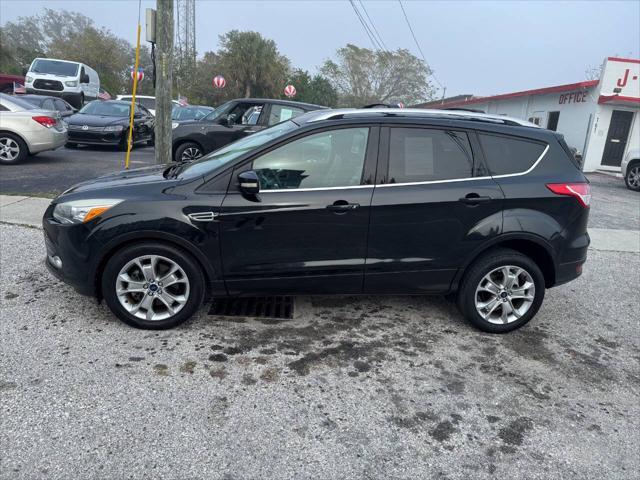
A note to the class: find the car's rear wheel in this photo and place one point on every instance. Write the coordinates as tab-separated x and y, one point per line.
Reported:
188	151
632	178
501	291
153	285
12	149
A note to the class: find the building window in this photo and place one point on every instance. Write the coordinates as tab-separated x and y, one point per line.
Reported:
535	120
552	122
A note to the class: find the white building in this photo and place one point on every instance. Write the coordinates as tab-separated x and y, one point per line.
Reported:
598	117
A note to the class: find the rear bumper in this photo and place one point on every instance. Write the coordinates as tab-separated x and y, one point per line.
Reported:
572	260
47	139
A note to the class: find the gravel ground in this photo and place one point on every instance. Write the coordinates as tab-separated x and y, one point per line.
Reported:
613	205
352	387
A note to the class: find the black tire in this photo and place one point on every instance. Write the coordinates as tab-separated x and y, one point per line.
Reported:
188	149
152	141
71	145
124	143
490	261
631	178
12	141
184	260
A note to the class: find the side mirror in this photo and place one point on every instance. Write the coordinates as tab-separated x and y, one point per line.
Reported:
249	183
228	120
25	70
84	78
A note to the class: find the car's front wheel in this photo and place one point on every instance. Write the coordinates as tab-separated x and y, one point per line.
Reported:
501	291
632	178
188	151
12	148
153	285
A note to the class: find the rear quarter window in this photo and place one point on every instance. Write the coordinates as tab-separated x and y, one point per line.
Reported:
508	155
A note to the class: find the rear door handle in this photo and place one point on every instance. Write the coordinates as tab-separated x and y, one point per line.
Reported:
342	207
474	199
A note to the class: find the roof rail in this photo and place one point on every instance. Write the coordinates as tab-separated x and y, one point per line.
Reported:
419	112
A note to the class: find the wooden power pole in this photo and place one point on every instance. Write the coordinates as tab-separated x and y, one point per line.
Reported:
164	79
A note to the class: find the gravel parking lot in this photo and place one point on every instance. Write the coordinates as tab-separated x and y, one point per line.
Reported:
352	387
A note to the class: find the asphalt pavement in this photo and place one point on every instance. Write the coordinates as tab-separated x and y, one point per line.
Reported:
351	387
50	173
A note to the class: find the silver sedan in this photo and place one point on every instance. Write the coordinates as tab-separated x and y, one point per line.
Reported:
26	130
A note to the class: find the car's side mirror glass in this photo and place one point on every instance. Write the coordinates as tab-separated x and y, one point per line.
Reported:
228	120
249	183
84	78
25	70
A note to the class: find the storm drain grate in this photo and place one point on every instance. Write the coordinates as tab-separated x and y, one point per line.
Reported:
260	307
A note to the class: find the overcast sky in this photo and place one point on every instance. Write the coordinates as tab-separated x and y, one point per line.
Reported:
474	47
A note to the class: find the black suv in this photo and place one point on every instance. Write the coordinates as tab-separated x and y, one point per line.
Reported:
229	122
385	201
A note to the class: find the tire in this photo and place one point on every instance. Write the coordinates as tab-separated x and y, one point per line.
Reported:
137	306
124	144
71	145
188	151
632	178
152	141
475	288
12	149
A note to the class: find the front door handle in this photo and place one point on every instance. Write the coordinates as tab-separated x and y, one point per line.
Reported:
342	206
474	199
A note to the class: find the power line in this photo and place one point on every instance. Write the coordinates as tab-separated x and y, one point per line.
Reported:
366	27
418	45
373	26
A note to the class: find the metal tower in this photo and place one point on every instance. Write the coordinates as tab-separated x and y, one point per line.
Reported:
186	39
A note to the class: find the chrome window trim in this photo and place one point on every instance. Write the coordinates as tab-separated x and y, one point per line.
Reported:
429	182
314	189
506	175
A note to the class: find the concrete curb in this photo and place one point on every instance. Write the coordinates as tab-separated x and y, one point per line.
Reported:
28	212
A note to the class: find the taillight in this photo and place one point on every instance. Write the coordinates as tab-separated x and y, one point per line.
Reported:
45	121
581	191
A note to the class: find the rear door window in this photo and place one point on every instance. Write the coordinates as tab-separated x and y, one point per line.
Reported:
280	113
509	155
423	155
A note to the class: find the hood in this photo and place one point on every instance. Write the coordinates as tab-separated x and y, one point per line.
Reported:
96	120
125	178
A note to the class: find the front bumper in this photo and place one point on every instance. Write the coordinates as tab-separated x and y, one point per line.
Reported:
95	137
68	243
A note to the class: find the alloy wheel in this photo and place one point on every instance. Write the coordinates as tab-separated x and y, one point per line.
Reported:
505	294
633	177
190	154
152	287
9	149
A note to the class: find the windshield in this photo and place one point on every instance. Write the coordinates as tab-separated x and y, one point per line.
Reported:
234	150
108	109
55	67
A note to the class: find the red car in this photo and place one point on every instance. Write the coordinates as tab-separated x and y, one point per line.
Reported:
7	81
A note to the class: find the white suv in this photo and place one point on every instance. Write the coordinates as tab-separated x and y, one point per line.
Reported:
631	169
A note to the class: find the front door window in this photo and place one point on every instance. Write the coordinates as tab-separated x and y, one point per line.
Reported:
324	160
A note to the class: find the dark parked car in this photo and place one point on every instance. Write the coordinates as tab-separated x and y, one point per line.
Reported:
106	122
335	202
54	104
229	122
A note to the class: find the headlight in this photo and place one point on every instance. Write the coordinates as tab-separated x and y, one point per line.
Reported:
71	83
81	211
113	128
28	78
174	125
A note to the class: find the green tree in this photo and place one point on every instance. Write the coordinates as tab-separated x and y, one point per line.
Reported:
252	64
363	76
313	89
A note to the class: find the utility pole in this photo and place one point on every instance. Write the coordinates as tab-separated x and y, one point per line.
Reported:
164	79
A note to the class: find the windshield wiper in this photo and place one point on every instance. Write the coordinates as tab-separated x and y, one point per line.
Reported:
175	169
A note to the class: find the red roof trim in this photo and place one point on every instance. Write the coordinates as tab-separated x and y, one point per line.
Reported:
611	98
538	91
626	60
